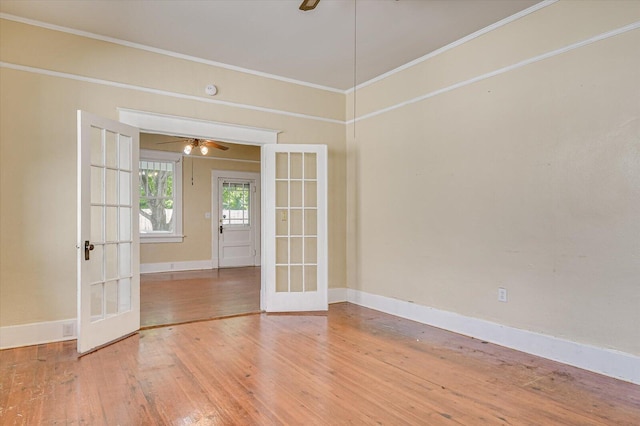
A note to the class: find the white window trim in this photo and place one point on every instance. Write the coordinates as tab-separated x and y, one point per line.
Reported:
176	236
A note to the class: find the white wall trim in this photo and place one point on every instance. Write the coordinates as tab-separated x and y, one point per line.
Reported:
189	265
151	122
619	365
208	157
502	70
125	43
440	91
609	362
456	43
163	52
102	82
15	336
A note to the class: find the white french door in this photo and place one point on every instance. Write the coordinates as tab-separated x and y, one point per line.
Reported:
108	240
294	247
238	219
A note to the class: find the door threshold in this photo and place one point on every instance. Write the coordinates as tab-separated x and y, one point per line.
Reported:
244	314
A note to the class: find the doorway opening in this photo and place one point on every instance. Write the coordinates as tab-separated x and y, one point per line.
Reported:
212	269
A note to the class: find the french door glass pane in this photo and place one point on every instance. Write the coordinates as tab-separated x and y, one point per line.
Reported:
97	231
125	188
125	253
124	295
111	297
282	194
310	194
310	222
124	225
296	250
310	250
97	151
282	250
97	301
111	187
282	227
96	264
296	283
296	194
111	223
310	278
97	182
296	222
282	165
111	261
282	279
310	165
295	171
125	153
111	149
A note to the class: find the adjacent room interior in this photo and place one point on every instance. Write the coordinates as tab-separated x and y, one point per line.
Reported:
175	286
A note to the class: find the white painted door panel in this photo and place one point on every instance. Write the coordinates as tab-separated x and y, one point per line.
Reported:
108	240
294	250
238	213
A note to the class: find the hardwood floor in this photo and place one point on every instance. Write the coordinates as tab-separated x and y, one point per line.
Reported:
351	366
179	297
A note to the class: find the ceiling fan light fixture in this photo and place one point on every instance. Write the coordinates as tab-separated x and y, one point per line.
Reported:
187	149
204	149
308	5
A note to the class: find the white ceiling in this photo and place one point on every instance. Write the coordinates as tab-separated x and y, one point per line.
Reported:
274	37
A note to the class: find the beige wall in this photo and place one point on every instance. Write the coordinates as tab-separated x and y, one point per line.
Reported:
38	149
528	180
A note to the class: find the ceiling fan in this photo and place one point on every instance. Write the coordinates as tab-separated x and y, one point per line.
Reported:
202	144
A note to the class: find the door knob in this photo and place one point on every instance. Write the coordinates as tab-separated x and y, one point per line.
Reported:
87	248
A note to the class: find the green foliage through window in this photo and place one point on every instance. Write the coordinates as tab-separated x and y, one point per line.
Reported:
235	203
156	187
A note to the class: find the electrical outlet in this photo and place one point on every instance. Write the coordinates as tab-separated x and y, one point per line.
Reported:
502	294
68	329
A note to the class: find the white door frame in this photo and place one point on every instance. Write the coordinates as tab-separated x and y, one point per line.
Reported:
150	122
256	216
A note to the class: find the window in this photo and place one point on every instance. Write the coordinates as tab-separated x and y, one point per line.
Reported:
160	185
236	197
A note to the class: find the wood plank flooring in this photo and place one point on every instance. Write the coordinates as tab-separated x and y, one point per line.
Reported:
179	297
351	366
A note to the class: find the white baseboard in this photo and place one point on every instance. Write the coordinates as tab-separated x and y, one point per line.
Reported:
337	295
14	336
619	365
609	362
191	265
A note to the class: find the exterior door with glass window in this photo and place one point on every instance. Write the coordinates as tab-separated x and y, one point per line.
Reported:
236	222
108	242
294	247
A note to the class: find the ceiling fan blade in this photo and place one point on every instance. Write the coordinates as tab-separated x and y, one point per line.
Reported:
308	4
215	144
176	141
